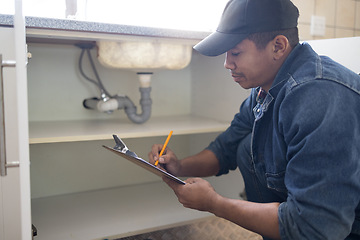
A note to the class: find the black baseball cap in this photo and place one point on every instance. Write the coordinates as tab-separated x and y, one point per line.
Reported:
244	17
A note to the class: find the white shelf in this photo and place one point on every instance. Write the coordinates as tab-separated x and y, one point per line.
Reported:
87	130
118	212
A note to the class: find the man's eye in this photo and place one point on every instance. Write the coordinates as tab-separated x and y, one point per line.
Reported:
235	54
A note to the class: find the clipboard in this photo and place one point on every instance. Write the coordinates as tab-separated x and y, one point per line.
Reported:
121	150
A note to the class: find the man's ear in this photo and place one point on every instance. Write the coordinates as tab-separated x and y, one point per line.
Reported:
281	47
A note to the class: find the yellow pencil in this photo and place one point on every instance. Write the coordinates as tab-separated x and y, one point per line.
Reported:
163	148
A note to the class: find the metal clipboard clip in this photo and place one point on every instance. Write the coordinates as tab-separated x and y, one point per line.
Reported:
120	146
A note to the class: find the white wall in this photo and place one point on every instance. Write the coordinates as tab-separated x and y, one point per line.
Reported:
345	51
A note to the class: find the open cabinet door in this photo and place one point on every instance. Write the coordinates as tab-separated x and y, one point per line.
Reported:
15	207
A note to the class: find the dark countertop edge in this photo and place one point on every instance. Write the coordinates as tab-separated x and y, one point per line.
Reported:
96	27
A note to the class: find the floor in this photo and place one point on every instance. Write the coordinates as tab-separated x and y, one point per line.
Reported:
211	229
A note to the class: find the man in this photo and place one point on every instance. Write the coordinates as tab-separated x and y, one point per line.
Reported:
296	139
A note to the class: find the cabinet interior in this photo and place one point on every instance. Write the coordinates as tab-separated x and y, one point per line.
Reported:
73	179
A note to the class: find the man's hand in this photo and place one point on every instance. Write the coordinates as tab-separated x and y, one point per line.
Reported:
168	161
196	193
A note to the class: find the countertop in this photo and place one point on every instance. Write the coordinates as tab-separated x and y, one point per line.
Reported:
36	24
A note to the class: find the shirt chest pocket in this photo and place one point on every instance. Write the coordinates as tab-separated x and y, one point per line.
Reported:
275	181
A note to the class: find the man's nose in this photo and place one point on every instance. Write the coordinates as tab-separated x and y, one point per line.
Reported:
228	64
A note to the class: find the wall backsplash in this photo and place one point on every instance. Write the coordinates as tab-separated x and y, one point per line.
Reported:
342	17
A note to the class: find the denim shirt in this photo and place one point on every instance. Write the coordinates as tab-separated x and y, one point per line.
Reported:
305	145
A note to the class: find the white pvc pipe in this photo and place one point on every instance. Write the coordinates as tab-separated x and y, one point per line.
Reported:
145	79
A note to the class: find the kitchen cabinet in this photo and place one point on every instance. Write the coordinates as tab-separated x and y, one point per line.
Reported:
81	190
78	189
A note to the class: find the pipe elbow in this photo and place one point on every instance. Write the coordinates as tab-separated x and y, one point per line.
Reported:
139	118
145	103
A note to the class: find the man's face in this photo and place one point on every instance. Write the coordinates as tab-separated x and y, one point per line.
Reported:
251	67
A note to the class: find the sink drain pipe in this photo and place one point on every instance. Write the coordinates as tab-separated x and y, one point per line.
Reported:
108	103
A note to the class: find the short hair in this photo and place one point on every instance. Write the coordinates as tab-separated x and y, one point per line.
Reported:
261	39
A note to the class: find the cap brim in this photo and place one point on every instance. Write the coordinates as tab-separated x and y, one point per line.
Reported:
218	43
